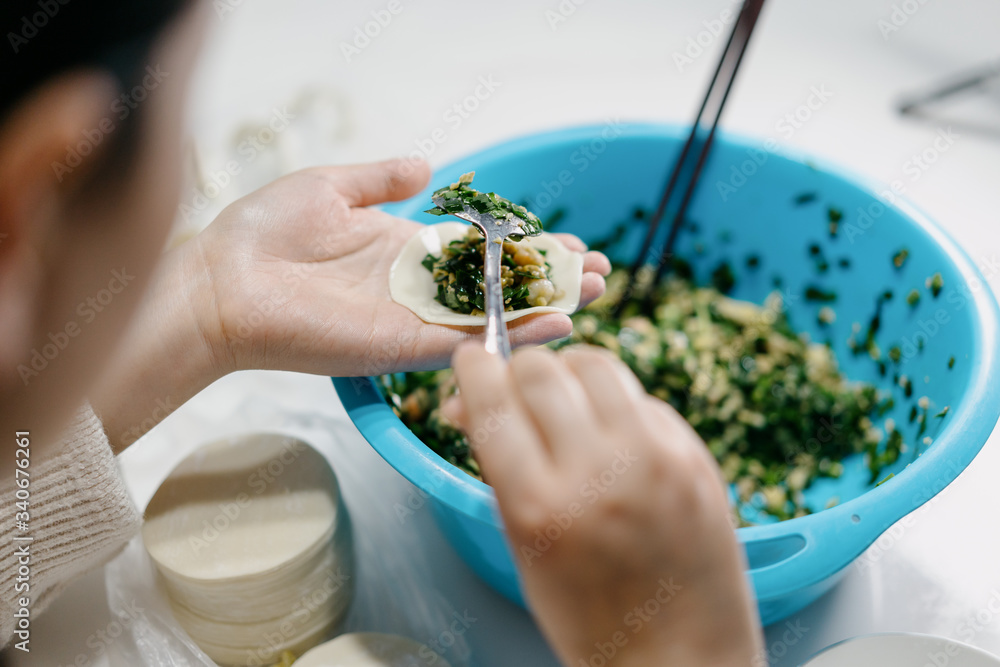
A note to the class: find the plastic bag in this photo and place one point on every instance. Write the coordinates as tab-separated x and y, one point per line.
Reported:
392	592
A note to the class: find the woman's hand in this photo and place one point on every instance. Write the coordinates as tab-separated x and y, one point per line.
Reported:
299	279
615	510
294	276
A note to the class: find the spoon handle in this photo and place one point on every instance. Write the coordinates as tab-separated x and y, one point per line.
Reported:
496	330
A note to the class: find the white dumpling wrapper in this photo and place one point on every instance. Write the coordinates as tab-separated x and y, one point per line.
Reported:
413	286
270	525
371	649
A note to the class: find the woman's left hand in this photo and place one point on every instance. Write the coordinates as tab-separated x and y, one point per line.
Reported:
294	276
299	278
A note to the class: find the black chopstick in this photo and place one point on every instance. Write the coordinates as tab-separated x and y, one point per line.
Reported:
728	66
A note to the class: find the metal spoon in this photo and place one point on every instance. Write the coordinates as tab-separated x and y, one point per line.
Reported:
495	232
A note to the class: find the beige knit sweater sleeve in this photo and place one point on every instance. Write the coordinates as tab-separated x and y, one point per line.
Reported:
80	517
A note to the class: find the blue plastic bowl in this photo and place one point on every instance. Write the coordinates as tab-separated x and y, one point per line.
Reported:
599	175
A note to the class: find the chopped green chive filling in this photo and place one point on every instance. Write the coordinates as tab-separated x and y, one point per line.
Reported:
900	258
814	293
459	195
934	284
458	272
835	215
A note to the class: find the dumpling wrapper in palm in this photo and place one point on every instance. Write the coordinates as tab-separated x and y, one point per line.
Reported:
413	286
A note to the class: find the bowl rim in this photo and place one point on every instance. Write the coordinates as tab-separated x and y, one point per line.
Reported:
864	517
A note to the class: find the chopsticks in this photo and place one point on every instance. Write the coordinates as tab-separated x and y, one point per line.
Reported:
713	103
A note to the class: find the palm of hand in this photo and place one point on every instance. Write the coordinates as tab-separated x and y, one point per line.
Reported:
299	279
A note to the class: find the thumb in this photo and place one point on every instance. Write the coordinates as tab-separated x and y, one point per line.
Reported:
378	182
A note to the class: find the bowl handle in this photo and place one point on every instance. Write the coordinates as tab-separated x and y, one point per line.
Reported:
784	563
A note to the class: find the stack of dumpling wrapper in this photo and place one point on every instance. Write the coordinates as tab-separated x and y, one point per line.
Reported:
253	544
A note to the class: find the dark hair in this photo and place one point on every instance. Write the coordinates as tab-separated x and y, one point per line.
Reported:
45	38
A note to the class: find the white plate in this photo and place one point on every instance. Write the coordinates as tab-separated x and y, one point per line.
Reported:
371	649
902	650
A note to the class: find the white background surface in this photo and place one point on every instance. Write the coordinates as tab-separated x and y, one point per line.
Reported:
607	60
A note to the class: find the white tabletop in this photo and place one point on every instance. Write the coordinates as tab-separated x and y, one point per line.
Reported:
936	573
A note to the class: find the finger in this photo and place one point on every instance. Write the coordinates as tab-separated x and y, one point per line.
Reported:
591	287
571	241
533	330
613	391
508	447
592	261
671	418
438	342
685	455
552	395
682	437
527	331
453	409
378	182
431	346
596	262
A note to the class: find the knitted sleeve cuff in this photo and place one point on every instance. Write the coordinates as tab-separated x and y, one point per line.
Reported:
81	516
